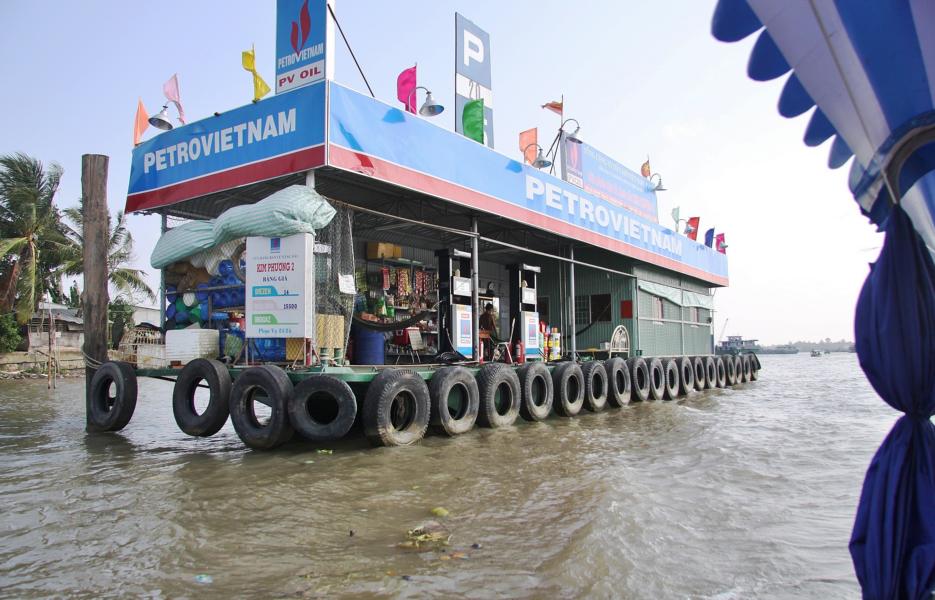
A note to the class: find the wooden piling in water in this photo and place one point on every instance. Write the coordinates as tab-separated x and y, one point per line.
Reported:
94	297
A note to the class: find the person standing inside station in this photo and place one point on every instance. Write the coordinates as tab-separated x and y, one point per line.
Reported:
488	322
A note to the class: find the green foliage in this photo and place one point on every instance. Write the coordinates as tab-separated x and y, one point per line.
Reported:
10	337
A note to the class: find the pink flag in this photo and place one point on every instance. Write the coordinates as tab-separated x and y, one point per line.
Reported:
720	244
171	90
406	87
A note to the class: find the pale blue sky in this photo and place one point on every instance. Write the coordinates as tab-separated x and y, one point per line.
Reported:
641	77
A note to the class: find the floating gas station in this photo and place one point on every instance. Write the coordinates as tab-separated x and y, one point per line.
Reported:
335	259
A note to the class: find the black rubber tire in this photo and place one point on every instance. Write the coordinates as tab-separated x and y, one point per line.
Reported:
380	408
738	368
618	381
322	395
657	379
235	261
731	368
639	379
721	380
275	384
535	381
112	414
595	385
756	362
754	367
500	395
710	373
747	368
686	375
218	379
672	375
698	366
443	383
568	382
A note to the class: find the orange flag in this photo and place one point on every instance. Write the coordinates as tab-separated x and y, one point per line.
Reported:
645	171
528	144
555	106
140	123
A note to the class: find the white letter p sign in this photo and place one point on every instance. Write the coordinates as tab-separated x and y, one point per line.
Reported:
473	49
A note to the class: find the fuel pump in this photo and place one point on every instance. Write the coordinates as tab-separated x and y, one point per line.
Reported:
455	316
523	312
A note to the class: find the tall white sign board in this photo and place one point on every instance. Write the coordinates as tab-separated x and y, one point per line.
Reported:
280	296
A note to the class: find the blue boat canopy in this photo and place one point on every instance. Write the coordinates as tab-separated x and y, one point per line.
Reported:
866	70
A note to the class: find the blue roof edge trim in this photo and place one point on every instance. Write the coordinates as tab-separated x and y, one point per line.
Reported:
819	129
840	153
766	61
733	21
794	100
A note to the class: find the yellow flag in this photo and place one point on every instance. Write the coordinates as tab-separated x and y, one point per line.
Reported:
260	89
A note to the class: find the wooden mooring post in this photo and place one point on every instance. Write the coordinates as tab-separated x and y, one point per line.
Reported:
94	298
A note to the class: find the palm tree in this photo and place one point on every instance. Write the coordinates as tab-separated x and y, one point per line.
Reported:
119	252
31	235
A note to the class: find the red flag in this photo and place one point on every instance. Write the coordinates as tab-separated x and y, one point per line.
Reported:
556	106
719	243
528	144
691	228
140	123
406	88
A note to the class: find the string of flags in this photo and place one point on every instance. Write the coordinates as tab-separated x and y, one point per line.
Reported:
691	231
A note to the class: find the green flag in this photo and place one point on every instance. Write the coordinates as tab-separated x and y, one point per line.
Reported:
675	216
472	120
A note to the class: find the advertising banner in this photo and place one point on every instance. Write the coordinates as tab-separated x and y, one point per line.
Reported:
302	43
369	136
531	334
602	176
280	302
462	318
259	141
472	73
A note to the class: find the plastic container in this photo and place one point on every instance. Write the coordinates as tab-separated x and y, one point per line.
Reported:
369	346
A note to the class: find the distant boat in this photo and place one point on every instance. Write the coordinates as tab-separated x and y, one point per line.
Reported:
781	349
816	352
735	344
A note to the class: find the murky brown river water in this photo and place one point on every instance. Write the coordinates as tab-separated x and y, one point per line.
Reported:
743	493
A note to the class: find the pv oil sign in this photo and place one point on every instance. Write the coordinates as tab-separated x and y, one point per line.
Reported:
302	43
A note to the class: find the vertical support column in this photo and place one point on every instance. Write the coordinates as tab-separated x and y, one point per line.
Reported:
163	228
94	253
635	338
573	342
475	293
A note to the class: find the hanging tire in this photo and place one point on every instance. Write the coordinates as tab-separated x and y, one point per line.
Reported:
396	408
639	379
455	400
698	366
500	395
214	416
731	368
738	368
535	381
618	381
112	413
276	389
721	380
686	375
568	383
595	385
756	362
323	408
657	379
710	373
670	369
747	368
754	367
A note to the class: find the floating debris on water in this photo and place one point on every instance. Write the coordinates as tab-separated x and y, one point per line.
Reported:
439	511
430	533
324	451
203	578
476	546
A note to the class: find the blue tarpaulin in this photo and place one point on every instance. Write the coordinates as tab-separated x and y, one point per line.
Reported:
866	70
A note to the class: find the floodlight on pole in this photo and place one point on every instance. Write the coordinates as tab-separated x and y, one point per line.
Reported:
161	120
658	186
541	161
429	108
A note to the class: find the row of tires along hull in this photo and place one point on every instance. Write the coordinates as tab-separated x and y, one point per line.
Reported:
399	406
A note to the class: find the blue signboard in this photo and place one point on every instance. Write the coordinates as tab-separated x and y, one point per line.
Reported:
276	136
472	73
602	176
371	137
301	45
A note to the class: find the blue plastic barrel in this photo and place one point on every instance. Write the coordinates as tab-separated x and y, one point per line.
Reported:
369	346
